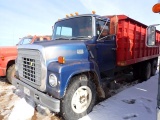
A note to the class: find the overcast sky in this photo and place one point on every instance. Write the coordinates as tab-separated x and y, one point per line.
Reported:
19	18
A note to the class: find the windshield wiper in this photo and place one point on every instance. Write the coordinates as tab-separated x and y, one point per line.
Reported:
80	37
61	38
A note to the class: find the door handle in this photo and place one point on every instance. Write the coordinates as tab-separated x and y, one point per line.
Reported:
114	48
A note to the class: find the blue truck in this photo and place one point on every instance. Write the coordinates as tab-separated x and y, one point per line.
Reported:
69	73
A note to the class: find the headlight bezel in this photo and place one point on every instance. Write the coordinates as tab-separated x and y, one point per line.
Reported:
53	81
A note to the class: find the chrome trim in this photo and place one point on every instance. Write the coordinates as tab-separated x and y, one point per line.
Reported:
29	64
94	26
42	85
37	96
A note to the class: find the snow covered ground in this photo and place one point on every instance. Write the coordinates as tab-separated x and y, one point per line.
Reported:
13	106
137	102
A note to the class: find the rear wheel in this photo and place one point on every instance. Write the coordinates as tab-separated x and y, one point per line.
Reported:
79	99
10	73
146	71
136	71
153	67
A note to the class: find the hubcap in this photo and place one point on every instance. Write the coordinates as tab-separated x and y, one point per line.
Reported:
81	99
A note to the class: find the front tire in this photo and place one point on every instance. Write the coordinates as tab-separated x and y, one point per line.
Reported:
79	99
10	73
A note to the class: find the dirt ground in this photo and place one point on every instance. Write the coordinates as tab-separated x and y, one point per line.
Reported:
8	98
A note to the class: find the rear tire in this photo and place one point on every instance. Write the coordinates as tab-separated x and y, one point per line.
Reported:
146	71
79	99
153	67
136	71
10	73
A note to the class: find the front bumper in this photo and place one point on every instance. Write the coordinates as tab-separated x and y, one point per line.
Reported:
39	97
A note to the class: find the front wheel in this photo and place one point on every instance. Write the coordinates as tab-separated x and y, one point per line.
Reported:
79	99
11	73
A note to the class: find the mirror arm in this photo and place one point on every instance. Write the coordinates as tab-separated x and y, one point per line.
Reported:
154	25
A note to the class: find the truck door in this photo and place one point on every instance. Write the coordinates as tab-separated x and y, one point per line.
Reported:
106	47
106	54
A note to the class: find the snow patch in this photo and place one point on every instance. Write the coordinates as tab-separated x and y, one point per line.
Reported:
21	111
135	103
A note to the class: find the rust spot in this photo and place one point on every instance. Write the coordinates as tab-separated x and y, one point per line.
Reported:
1	117
55	118
34	117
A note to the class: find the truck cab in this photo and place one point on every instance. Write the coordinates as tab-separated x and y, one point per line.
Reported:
64	73
94	32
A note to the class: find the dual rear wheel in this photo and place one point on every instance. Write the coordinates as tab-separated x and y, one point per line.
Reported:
144	71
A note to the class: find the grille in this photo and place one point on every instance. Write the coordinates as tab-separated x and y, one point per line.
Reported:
29	69
29	66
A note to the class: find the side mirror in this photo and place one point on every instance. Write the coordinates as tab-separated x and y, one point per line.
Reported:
151	35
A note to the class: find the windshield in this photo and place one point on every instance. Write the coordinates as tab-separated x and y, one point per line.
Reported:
25	41
79	27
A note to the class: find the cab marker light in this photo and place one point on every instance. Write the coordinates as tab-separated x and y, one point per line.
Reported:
93	12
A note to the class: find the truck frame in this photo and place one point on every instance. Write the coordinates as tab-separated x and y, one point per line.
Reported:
88	53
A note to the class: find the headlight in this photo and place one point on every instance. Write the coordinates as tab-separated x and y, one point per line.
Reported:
52	80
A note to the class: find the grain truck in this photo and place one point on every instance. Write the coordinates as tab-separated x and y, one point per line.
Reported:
87	54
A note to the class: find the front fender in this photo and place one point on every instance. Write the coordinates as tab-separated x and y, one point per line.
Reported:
69	69
4	63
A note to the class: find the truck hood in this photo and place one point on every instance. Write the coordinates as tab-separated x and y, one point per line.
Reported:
8	51
70	49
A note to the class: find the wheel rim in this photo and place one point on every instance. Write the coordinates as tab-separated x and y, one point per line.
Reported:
81	99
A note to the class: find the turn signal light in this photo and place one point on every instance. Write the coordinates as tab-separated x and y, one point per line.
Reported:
61	60
2	58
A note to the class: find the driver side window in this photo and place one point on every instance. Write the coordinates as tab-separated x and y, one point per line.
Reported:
102	29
